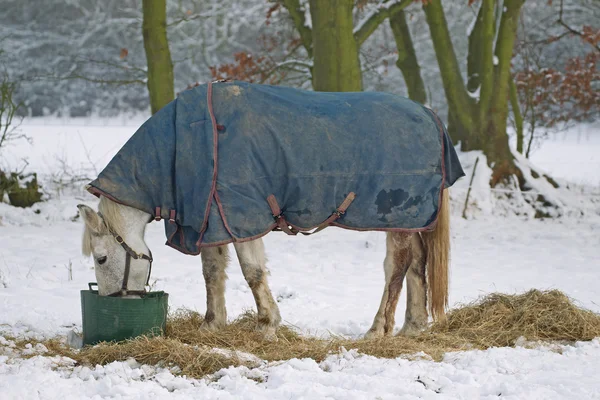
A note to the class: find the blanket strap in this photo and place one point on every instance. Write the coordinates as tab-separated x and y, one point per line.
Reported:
341	210
290	230
279	218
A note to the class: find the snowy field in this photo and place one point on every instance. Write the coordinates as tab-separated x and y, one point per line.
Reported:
326	283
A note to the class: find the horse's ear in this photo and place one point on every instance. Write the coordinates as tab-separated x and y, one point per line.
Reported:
91	218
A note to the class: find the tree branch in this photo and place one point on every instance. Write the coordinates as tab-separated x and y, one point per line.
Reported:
188	18
487	58
74	74
407	57
118	82
8	111
516	108
367	26
289	63
573	31
459	101
121	66
297	13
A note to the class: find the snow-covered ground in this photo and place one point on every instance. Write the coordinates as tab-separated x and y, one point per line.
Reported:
319	290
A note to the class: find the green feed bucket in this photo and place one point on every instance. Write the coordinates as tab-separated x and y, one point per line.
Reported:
108	319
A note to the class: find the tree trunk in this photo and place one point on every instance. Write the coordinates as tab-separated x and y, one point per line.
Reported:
487	60
407	58
459	133
497	148
482	125
335	50
474	54
158	56
459	103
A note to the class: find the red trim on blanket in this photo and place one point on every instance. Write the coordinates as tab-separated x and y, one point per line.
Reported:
272	227
182	249
441	126
341	225
213	188
220	206
99	192
170	238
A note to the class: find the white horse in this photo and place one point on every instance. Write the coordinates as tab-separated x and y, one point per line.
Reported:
114	237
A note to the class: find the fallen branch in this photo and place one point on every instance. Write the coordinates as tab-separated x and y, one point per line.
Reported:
464	213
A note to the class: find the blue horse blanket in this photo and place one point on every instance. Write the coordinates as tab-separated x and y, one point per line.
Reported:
232	161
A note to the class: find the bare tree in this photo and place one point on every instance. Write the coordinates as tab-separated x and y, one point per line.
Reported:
158	55
9	107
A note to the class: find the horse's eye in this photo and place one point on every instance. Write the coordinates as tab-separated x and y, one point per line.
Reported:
101	260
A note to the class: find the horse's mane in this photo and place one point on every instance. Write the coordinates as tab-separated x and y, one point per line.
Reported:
112	217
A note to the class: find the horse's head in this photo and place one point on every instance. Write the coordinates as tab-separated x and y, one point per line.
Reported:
114	237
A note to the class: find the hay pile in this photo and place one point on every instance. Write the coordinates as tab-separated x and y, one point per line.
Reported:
495	320
499	319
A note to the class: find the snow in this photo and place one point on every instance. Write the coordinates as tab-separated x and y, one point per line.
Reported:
476	94
320	291
306	64
496	373
572	155
304	6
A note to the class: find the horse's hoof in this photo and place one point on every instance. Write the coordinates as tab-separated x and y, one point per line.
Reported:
373	334
211	326
270	337
410	330
269	333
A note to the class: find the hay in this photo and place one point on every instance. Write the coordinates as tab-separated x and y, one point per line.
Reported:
193	361
495	320
499	319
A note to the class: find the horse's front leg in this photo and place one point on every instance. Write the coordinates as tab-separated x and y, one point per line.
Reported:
397	261
214	262
253	262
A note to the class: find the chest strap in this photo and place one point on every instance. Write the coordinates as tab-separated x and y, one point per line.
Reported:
284	226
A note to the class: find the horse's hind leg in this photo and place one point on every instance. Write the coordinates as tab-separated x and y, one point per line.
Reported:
416	290
398	259
214	262
253	262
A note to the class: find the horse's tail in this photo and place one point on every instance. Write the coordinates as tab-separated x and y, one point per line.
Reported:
437	246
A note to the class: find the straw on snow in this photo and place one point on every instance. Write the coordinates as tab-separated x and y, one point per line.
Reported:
495	320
